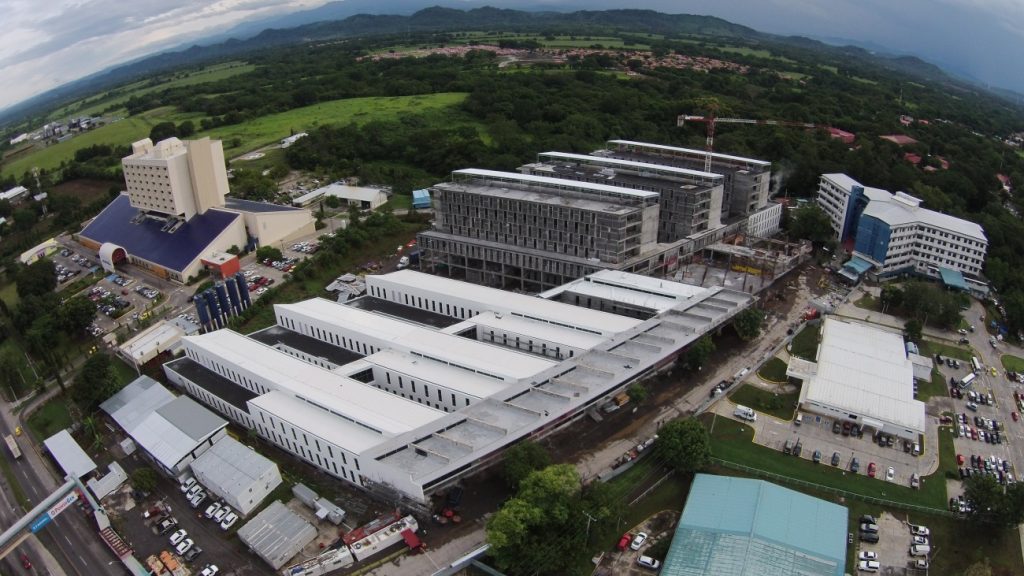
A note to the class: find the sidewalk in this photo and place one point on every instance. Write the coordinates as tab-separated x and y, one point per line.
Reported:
433	559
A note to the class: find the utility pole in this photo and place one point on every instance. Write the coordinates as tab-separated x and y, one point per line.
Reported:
590	519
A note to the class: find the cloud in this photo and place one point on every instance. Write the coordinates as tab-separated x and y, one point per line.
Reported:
47	44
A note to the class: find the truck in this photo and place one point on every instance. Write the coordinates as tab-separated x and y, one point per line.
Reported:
745	413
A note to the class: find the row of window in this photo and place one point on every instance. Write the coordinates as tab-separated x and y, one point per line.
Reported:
326	461
327	336
214	366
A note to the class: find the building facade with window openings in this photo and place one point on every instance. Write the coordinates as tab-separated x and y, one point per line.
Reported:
896	235
426	379
569	215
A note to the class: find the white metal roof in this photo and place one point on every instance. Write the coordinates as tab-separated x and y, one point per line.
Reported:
339	431
701	153
560	183
277	534
136	401
502	301
437	373
229	467
895	212
349	398
166	441
157	336
539	330
629	288
661	168
471	354
72	459
864	370
353	192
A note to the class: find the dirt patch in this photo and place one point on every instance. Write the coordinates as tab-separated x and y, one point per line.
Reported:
88	191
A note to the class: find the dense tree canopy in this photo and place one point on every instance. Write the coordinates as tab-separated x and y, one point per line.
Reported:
522	460
684	445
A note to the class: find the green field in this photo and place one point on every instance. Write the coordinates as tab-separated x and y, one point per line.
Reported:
270	129
50	418
931	348
12	349
936	386
774	370
733	442
781	406
124	131
1010	362
9	294
755	52
94	106
805	343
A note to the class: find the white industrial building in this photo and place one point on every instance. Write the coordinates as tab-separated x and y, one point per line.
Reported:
361	197
425	379
893	234
172	430
276	534
237	474
862	375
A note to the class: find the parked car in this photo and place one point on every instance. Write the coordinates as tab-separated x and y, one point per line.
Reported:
188	484
192	553
837	427
919	530
868	566
184	546
228	521
915	480
648	562
854	465
817	456
638	541
868	527
890	474
210	570
867	555
835	458
219	515
212	509
871	470
624	541
869	537
177	537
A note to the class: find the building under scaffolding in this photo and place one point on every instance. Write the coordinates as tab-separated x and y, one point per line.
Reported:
753	263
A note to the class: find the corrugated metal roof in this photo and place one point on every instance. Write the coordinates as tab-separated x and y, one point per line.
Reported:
192	419
865	370
277	534
746	527
136	401
72	459
229	467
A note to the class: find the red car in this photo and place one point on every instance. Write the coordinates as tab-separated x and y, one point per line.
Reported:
624	541
960	459
871	470
25	562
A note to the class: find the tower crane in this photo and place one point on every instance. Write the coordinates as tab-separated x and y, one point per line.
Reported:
711	120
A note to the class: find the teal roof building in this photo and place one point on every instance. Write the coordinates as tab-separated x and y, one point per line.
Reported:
745	527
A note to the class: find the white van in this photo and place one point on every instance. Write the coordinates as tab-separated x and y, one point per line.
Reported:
799	418
920	550
745	413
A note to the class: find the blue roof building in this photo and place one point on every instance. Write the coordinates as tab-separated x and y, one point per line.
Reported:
745	527
421	199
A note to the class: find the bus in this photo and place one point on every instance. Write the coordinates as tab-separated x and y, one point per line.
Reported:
967	380
12	445
975	365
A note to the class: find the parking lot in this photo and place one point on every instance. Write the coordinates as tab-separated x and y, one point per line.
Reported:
623	561
894	543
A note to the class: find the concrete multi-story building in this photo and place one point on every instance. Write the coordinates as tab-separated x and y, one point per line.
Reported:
746	181
174	212
176	178
426	380
895	235
690	201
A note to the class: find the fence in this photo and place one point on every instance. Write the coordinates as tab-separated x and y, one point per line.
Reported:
803	483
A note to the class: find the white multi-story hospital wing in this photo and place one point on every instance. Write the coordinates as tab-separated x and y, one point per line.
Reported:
426	379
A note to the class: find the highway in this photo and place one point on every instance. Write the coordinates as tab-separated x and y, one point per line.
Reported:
71	540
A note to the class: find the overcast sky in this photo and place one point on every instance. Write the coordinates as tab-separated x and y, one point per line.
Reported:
50	42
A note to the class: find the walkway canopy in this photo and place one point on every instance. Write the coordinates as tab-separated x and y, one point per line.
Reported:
953	279
69	454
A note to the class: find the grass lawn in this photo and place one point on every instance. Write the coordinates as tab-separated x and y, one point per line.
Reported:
123	373
779	405
936	386
122	132
11	348
732	441
400	202
271	128
757	53
867	302
805	343
50	418
931	348
9	294
773	370
1010	362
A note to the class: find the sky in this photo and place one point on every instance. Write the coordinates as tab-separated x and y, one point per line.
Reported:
50	42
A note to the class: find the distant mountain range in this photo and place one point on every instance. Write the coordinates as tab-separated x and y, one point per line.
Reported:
354	18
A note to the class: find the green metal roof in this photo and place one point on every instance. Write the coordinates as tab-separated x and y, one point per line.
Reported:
858	265
747	527
953	279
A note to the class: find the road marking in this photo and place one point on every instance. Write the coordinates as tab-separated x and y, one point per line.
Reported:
82	559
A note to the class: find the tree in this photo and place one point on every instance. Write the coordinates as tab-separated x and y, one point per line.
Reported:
76	314
638	393
684	445
95	383
268	253
523	459
912	330
698	353
144	479
186	129
36	279
24	218
748	324
990	502
811	223
892	296
332	202
163	131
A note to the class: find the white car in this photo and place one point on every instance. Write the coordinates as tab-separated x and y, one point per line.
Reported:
188	484
920	530
185	545
195	489
177	537
648	562
638	541
228	521
210	570
197	499
212	509
919	541
219	515
867	555
890	474
868	566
